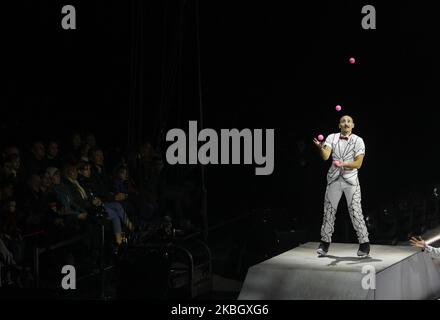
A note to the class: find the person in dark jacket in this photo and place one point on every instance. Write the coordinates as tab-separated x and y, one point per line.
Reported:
115	211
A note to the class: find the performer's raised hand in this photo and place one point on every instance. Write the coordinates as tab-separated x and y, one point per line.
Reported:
323	149
419	243
317	143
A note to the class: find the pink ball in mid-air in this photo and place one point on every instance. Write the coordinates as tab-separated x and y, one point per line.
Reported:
338	108
352	60
320	137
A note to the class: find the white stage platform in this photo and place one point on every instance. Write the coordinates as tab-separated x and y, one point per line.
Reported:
402	272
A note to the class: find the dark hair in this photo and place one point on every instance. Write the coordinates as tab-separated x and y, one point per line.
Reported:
93	151
53	141
68	166
37	141
8	147
83	164
118	169
12	157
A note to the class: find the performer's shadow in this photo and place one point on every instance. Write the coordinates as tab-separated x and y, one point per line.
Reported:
355	260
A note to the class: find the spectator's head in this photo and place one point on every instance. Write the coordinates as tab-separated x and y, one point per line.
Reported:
10	206
96	156
121	173
52	150
38	150
11	166
11	150
84	169
91	140
7	171
46	183
54	175
7	189
34	182
146	151
70	171
84	152
76	141
15	161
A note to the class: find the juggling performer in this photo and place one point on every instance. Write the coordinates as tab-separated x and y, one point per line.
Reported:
347	151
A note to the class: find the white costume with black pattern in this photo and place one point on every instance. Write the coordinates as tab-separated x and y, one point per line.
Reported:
433	252
342	180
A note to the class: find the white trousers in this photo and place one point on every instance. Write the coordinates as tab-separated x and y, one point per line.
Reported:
353	196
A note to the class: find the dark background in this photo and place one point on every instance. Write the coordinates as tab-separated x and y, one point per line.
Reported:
130	69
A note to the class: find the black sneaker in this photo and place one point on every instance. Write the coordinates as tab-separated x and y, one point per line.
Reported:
323	248
364	249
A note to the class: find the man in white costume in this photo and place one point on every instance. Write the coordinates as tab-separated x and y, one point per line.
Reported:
347	151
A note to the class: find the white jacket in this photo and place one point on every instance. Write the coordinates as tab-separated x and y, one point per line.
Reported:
433	252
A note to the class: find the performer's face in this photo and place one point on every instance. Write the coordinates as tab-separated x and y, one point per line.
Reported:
346	124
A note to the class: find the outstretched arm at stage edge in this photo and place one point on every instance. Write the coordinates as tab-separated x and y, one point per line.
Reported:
420	243
434	252
324	150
